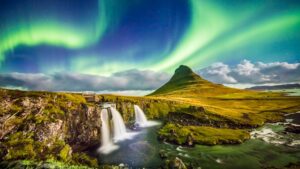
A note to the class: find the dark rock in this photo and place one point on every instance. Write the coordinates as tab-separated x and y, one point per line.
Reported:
177	163
196	109
190	140
293	129
163	154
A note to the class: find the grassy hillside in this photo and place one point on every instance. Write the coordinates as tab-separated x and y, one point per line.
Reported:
245	106
225	110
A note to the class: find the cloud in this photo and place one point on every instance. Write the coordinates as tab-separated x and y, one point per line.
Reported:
255	73
129	80
246	68
218	73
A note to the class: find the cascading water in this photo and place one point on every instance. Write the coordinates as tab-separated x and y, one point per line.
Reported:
141	119
107	145
120	132
118	129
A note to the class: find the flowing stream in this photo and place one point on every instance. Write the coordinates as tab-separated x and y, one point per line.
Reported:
269	146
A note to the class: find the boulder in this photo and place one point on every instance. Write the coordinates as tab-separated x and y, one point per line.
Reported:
177	163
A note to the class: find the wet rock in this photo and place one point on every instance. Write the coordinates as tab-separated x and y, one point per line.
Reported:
293	129
163	154
176	163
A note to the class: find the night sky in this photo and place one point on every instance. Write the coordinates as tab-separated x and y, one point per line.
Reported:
108	36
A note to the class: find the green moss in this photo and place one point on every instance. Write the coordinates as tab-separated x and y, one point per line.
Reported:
202	135
26	162
82	158
31	164
65	153
20	146
158	109
58	150
53	109
14	121
59	164
59	143
76	98
19	138
40	118
15	108
25	151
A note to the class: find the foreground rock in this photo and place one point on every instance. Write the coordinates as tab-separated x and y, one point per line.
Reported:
48	126
293	128
175	163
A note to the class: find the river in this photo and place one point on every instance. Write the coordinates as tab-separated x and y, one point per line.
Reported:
269	146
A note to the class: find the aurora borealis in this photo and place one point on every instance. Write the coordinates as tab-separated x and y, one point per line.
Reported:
103	37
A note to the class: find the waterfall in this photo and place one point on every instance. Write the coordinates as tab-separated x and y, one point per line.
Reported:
107	145
117	126
120	132
140	117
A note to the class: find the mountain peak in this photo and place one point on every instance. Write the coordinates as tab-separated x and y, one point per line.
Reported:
184	73
183	77
186	82
182	69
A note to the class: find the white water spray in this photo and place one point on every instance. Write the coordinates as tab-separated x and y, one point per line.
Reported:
107	145
141	119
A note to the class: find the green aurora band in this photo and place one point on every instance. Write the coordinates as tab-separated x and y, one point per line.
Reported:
202	43
58	34
264	32
212	31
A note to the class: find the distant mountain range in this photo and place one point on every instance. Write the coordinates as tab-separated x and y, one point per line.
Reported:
276	87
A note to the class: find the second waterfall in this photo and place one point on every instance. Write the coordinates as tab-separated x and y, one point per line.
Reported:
141	119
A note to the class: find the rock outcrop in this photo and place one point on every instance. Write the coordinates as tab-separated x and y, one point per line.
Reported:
293	128
47	126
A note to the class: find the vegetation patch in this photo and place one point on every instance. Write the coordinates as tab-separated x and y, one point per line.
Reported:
41	164
182	135
20	146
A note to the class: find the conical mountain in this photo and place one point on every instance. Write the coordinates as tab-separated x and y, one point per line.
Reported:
186	82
